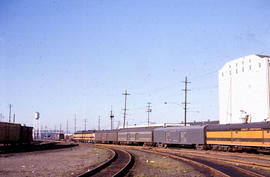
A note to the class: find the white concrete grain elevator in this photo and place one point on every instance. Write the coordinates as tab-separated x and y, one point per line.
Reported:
244	90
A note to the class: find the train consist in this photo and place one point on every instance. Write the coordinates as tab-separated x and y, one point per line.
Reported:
11	133
230	137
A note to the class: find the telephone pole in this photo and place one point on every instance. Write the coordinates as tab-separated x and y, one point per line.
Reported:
98	122
111	117
75	121
185	103
125	109
148	112
85	124
14	118
67	127
9	116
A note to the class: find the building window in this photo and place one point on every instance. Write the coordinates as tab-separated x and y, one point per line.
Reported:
222	74
236	71
242	62
236	64
249	60
243	69
230	66
249	67
230	73
260	65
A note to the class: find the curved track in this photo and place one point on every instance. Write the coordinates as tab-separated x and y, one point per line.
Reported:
118	165
217	167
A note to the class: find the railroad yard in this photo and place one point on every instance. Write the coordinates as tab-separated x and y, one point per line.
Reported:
59	162
108	160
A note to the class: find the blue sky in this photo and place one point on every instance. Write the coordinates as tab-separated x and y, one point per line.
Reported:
67	57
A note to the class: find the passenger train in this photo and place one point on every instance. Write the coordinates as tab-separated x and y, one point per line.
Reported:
229	137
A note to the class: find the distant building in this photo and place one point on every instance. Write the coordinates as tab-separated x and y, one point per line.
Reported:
155	125
209	122
244	90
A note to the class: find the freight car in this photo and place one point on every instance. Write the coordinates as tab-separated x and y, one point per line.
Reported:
193	136
140	136
26	134
106	136
11	133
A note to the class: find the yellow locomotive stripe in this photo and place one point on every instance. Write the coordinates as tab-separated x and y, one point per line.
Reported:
235	134
247	134
218	134
266	134
265	144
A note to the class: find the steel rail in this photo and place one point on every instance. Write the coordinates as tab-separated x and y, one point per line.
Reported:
240	169
213	170
231	161
101	166
113	160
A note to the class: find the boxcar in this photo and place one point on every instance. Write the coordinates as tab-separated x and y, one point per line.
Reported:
26	134
142	135
190	135
238	136
106	136
9	133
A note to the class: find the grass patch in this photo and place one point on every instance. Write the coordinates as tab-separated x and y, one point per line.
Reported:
165	165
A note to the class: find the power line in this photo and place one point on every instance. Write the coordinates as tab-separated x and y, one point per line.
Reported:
125	109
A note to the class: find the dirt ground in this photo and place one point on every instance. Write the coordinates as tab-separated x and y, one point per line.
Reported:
152	165
60	162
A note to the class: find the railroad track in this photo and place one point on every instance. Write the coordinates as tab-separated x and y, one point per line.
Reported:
118	165
250	164
216	167
225	154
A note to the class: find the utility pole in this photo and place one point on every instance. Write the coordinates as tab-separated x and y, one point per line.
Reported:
14	118
75	123
111	117
1	117
9	116
46	131
185	103
148	113
67	127
125	109
85	124
98	122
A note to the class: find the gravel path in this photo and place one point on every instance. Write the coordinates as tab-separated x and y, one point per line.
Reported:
152	165
60	162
